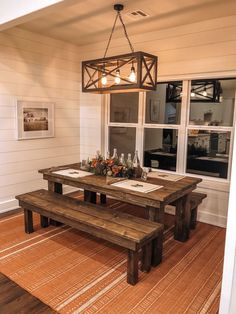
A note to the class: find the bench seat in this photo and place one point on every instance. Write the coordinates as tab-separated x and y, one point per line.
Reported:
130	232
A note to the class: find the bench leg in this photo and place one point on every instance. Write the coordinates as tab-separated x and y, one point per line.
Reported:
132	267
28	221
157	248
56	188
146	257
103	199
90	196
193	219
44	221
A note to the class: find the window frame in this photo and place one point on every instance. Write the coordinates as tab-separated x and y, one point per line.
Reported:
183	128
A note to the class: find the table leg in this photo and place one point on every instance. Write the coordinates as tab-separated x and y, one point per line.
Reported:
182	219
56	188
90	196
157	215
103	199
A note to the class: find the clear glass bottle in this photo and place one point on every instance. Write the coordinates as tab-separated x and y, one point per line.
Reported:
108	155
136	162
129	161
115	155
122	159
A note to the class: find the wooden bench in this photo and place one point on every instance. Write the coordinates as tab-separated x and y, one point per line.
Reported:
122	229
195	200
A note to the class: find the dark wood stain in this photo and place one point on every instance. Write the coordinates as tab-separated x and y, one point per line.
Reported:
14	299
127	231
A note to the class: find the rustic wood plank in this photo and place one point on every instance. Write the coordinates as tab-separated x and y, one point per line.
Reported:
28	221
44	221
103	198
146	257
132	267
63	209
98	211
182	216
90	196
57	188
157	249
14	299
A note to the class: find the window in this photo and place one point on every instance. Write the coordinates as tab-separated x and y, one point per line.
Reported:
190	134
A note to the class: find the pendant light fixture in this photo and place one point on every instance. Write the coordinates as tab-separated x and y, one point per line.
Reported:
134	71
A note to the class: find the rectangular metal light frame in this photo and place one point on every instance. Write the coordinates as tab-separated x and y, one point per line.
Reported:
174	89
145	69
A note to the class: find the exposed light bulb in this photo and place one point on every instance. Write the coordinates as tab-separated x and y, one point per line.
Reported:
204	93
132	76
104	79
221	99
193	94
117	78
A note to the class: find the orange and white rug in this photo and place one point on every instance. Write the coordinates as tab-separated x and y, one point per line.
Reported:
76	273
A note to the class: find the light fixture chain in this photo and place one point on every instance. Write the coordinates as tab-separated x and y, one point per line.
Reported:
112	31
125	31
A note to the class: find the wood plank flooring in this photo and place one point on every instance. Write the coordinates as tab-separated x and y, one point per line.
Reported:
14	299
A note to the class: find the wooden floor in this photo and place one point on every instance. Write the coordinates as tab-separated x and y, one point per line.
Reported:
14	299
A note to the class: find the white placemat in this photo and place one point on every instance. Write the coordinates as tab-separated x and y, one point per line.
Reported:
165	176
137	186
73	173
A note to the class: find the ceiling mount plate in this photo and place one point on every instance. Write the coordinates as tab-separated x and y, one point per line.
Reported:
118	7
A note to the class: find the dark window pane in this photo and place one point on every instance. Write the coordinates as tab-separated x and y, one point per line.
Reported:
123	139
160	148
212	102
124	108
208	153
163	105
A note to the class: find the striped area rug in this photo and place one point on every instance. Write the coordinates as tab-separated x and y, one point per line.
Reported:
76	273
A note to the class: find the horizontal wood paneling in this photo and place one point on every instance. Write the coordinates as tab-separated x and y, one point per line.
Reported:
190	51
36	69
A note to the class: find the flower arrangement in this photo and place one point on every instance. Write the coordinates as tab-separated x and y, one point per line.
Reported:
109	167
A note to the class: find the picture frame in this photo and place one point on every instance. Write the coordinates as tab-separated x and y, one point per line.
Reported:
154	107
35	119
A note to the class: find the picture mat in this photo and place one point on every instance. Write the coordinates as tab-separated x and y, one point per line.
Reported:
23	107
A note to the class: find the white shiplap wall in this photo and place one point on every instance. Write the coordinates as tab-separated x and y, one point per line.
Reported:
36	68
204	49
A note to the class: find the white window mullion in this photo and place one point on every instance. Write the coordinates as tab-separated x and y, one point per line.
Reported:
182	134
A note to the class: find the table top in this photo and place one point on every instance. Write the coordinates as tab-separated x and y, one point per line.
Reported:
170	191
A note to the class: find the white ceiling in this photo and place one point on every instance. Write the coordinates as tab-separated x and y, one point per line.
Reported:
91	21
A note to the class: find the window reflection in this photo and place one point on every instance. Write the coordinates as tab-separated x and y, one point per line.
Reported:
160	148
208	153
123	139
160	108
124	108
216	107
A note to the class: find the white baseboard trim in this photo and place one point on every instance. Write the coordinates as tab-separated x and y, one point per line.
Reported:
204	216
12	204
8	205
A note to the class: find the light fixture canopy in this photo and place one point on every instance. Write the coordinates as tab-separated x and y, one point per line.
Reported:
135	71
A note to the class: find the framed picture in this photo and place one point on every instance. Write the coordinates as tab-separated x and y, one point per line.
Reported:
35	119
154	110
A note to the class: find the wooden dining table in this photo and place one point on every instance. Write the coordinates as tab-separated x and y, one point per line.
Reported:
177	192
